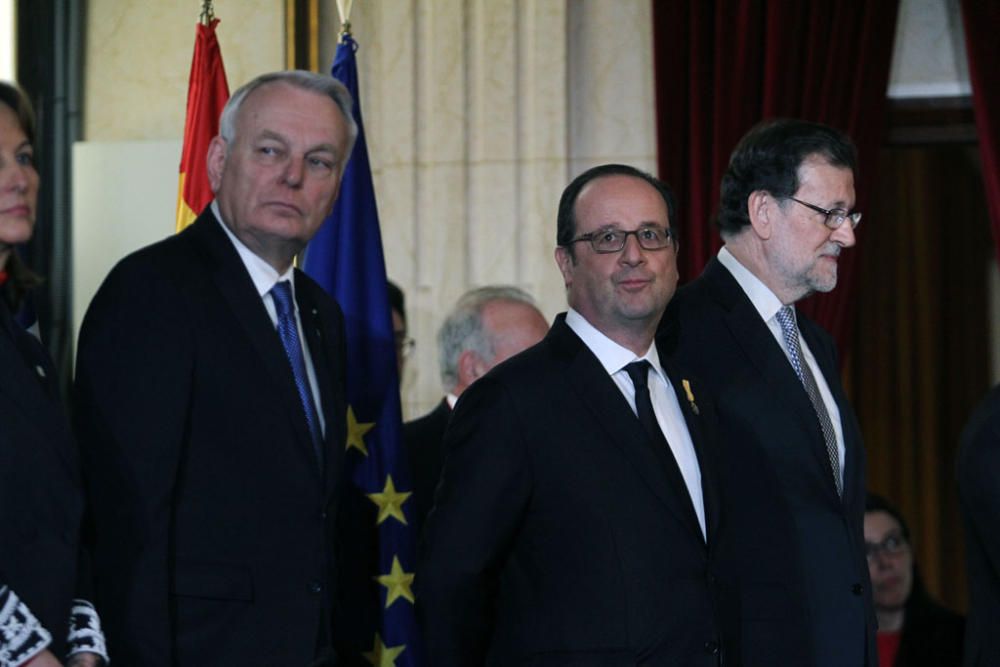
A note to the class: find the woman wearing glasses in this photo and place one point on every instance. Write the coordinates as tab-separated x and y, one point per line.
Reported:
913	629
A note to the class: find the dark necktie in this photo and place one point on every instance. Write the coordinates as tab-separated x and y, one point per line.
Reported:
639	372
289	334
790	331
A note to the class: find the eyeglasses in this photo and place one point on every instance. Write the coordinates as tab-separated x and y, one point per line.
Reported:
835	217
607	241
891	546
404	344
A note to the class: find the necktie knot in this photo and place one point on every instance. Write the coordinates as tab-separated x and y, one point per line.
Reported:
639	372
786	318
282	295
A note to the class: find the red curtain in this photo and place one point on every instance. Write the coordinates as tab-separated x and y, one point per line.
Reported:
981	20
724	65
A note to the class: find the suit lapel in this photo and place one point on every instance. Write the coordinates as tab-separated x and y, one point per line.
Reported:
702	447
848	424
231	278
763	351
602	398
320	339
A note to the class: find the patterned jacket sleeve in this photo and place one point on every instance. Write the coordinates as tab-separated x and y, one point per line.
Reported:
21	635
85	634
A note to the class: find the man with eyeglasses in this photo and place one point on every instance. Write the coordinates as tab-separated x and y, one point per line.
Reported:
792	461
576	517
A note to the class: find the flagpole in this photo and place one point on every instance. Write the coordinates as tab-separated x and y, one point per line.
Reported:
207	12
344	8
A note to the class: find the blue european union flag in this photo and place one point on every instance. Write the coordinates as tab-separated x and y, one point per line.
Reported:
346	258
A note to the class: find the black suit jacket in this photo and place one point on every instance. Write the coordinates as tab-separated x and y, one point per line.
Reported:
41	493
560	535
215	533
794	550
979	494
423	439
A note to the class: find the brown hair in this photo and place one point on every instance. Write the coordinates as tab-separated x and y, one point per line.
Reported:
20	279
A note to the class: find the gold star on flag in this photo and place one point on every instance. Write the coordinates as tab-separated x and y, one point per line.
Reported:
356	431
382	655
397	583
390	502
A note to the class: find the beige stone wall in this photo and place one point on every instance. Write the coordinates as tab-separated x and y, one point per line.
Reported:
138	58
478	113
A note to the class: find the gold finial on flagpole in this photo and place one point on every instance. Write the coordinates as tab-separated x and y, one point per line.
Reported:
344	7
207	13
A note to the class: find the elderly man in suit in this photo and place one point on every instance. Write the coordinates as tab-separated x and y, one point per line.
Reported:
575	518
210	389
979	493
487	326
792	461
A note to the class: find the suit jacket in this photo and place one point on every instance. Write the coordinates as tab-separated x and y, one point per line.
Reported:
423	439
794	549
215	522
41	492
979	494
560	535
932	634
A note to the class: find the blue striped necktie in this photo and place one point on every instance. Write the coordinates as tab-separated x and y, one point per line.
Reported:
289	334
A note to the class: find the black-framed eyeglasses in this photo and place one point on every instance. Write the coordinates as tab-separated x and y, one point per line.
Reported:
835	217
892	545
650	237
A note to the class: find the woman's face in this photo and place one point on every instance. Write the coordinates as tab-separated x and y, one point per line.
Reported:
890	560
18	184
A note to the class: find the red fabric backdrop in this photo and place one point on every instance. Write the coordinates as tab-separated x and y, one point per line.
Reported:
982	20
724	65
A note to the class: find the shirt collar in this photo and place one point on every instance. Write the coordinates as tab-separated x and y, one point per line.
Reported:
263	275
613	357
760	295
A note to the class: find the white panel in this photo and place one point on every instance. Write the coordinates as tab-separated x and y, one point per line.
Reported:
124	198
929	58
8	41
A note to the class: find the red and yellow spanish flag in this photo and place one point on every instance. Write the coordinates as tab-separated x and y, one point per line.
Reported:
207	94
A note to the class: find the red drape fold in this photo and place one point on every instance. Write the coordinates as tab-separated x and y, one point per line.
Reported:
981	20
721	66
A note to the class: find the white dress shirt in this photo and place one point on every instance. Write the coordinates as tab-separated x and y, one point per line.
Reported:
614	358
768	305
264	277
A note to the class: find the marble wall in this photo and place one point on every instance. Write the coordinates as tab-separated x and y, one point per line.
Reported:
478	113
138	58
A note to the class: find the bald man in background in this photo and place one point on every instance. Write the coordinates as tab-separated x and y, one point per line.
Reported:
488	325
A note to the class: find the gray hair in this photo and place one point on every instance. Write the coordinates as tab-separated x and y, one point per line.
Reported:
463	328
317	83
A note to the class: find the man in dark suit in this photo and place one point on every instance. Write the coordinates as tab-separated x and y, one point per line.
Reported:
792	462
979	493
211	410
487	326
575	519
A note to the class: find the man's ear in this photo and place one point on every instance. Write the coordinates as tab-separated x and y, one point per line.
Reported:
565	262
760	207
216	161
470	368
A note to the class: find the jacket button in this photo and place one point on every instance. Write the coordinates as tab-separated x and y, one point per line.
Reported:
857	589
712	648
315	587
